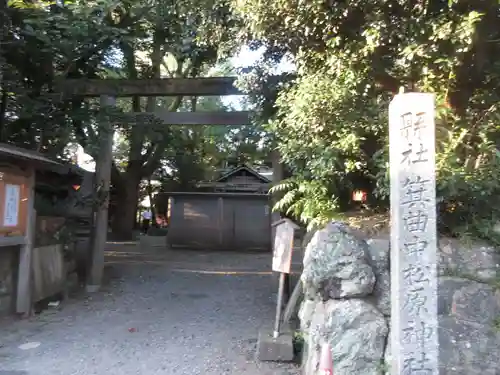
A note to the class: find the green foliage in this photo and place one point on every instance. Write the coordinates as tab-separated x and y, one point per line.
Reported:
262	85
496	324
308	201
43	41
299	342
351	58
384	367
46	40
468	184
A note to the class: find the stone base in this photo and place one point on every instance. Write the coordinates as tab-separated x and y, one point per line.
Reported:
275	349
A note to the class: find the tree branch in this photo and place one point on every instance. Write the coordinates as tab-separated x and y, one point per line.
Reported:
158	150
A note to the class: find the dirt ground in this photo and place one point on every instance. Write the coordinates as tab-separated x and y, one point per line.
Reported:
369	224
159	312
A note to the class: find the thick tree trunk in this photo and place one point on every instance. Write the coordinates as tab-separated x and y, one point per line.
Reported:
152	208
128	192
126	208
3	106
3	27
140	165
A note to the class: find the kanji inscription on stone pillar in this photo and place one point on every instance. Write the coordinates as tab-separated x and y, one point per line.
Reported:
414	324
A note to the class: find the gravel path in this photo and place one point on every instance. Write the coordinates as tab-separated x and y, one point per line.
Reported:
175	313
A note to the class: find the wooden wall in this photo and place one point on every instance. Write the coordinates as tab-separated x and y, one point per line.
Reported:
9	260
220	221
49	275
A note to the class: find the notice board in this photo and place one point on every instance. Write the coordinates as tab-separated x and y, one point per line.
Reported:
283	246
14	188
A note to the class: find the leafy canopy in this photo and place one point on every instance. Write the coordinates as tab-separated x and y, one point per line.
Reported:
351	58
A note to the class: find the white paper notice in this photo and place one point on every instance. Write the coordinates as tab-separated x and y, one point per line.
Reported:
11	207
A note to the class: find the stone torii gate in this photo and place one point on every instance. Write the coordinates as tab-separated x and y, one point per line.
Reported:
108	90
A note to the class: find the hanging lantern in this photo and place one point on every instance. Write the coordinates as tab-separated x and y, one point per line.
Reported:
359	196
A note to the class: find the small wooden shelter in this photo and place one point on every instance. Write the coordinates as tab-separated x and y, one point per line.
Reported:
21	265
231	213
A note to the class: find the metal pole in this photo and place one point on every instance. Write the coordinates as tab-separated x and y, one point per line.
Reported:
279	306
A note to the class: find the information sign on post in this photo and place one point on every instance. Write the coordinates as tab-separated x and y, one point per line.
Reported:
13	203
282	261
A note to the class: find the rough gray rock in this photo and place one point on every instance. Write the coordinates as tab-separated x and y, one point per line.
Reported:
474	261
447	286
307	238
469	340
468	327
356	332
379	252
336	265
468	304
476	303
386	365
466	348
306	313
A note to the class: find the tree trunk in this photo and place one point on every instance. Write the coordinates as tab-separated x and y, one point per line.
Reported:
152	206
103	178
126	208
140	165
128	192
3	90
278	175
3	24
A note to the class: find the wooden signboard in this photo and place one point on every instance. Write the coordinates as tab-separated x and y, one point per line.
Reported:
14	189
283	245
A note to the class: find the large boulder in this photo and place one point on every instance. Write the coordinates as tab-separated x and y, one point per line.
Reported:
347	303
336	265
308	237
469	338
386	364
356	332
306	313
476	261
379	252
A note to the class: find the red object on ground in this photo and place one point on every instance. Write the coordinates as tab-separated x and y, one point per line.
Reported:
325	360
131	330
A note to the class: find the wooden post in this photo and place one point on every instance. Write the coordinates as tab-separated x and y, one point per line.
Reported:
103	182
414	320
24	285
279	306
